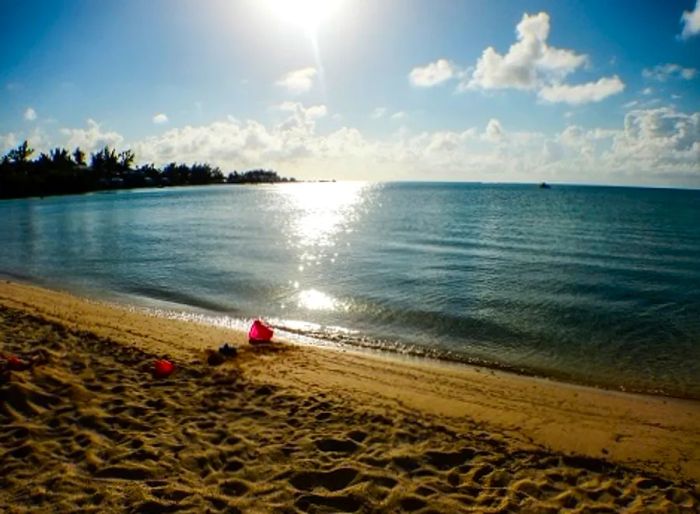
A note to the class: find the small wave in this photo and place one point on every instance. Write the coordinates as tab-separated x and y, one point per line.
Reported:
179	297
344	338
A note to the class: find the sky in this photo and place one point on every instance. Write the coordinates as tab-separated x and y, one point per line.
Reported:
587	91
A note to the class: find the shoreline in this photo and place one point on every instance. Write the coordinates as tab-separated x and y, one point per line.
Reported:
411	352
656	434
408	351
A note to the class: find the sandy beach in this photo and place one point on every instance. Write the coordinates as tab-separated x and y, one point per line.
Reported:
288	428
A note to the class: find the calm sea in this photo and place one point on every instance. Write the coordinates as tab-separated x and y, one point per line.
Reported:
588	284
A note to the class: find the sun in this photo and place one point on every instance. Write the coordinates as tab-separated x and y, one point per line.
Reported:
306	14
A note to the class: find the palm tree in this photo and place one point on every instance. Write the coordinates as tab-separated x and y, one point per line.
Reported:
21	153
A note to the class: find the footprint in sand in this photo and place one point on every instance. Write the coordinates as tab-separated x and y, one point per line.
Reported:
336	445
339	503
334	480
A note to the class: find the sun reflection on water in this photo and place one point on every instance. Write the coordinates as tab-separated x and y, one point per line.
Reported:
316	300
320	211
319	215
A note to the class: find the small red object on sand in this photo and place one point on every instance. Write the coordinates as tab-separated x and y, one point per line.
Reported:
15	363
259	332
163	368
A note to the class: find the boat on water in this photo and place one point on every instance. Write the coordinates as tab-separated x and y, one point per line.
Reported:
544	185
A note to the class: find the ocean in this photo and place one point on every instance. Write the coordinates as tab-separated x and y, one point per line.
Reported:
593	285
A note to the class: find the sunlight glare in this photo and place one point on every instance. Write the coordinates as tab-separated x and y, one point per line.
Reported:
316	300
307	14
320	211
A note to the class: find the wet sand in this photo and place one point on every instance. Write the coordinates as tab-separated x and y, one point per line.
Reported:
285	428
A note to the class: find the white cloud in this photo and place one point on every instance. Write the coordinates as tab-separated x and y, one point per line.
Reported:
30	114
688	73
91	138
316	111
494	131
529	63
313	112
677	130
582	93
227	143
444	143
652	146
383	112
8	141
298	81
160	118
659	140
239	144
432	74
378	112
37	137
691	22
655	146
663	72
301	116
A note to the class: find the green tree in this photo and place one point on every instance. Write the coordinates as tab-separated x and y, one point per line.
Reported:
79	157
126	159
105	162
21	153
60	159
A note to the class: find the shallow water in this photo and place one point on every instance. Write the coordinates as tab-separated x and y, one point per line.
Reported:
590	284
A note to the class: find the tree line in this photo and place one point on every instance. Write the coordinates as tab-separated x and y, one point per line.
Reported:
63	172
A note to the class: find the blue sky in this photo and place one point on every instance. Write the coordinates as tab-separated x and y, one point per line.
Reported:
584	92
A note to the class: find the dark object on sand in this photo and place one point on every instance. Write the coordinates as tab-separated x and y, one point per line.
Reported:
228	351
163	368
259	333
14	363
225	352
215	358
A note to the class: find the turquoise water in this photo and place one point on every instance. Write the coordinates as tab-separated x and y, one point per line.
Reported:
587	284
